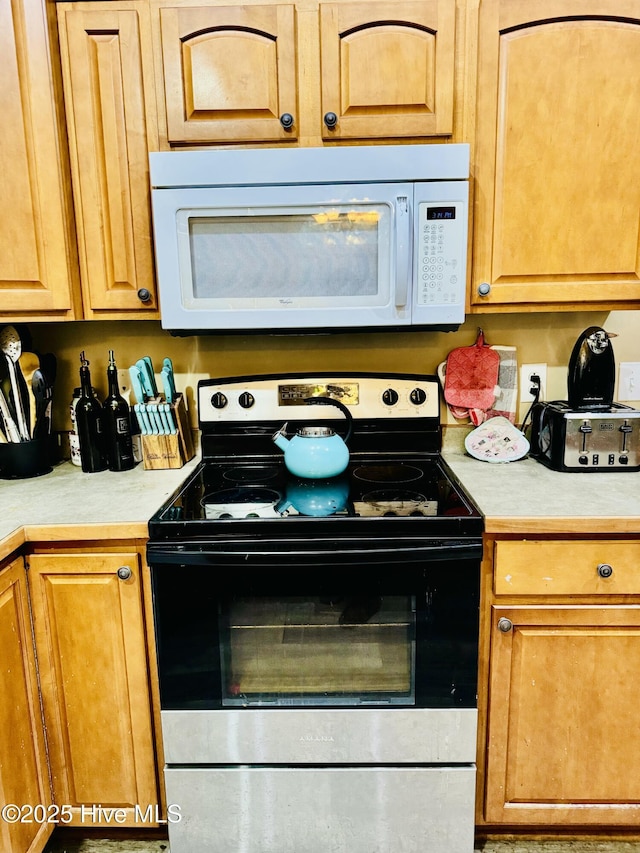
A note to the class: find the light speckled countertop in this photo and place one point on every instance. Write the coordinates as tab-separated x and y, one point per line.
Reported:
70	504
525	496
515	497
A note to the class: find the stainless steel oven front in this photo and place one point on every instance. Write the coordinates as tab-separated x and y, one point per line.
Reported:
318	694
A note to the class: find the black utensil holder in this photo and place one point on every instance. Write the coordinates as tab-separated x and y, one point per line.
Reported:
18	461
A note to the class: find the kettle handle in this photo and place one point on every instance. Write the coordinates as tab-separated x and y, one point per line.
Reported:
329	401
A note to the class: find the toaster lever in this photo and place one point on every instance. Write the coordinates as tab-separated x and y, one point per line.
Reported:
585	428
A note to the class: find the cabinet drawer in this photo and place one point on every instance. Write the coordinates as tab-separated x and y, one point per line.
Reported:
567	567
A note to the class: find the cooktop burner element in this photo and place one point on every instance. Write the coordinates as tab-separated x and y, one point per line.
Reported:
252	474
395	477
390	473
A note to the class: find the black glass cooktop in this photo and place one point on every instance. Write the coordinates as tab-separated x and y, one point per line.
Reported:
240	491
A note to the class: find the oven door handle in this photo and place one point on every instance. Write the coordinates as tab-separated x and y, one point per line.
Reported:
208	554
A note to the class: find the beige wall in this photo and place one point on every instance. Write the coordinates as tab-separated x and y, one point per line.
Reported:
545	338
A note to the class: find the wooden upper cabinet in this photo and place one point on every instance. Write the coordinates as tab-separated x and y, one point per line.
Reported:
305	72
387	68
37	260
106	55
229	73
557	217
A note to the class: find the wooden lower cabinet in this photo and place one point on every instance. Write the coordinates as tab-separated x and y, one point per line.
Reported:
24	781
563	710
91	647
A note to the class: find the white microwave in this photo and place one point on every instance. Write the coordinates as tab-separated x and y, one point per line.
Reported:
311	238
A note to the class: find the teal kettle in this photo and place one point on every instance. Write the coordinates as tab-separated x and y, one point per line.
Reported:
316	452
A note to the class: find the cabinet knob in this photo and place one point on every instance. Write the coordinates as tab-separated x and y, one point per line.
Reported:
124	573
505	625
144	295
331	120
605	570
286	120
484	289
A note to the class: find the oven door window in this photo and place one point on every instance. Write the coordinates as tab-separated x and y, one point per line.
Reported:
374	630
318	650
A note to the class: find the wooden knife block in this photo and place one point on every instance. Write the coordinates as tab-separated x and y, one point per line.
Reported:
170	451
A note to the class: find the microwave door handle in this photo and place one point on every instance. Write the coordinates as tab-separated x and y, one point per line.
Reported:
403	253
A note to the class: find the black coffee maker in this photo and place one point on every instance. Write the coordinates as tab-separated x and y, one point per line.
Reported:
588	431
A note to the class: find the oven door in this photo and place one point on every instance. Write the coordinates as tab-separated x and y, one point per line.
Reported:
309	626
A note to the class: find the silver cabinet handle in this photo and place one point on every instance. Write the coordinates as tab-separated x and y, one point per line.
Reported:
484	289
605	570
505	625
124	573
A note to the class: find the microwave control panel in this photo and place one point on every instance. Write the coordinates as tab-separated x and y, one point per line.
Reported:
440	246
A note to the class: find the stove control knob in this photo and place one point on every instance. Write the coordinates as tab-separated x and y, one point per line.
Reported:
389	397
418	396
218	400
246	400
583	460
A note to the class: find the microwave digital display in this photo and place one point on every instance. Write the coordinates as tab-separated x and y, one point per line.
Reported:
441	213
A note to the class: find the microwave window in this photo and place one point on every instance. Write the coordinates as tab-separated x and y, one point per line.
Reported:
322	253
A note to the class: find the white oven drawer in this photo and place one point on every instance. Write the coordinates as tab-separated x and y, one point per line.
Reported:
322	810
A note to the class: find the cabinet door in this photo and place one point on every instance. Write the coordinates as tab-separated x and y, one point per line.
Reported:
106	55
37	257
564	716
229	73
24	779
558	174
91	649
387	68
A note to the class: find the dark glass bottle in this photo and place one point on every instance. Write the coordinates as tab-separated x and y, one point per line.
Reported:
117	422
89	424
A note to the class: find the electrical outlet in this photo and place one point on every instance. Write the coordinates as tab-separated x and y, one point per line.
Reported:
629	381
526	372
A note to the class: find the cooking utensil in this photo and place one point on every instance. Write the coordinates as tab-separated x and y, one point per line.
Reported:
168	384
43	394
316	452
154	420
166	408
11	346
10	427
145	369
136	384
151	374
161	408
29	363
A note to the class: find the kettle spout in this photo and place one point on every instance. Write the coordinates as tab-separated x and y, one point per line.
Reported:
279	437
